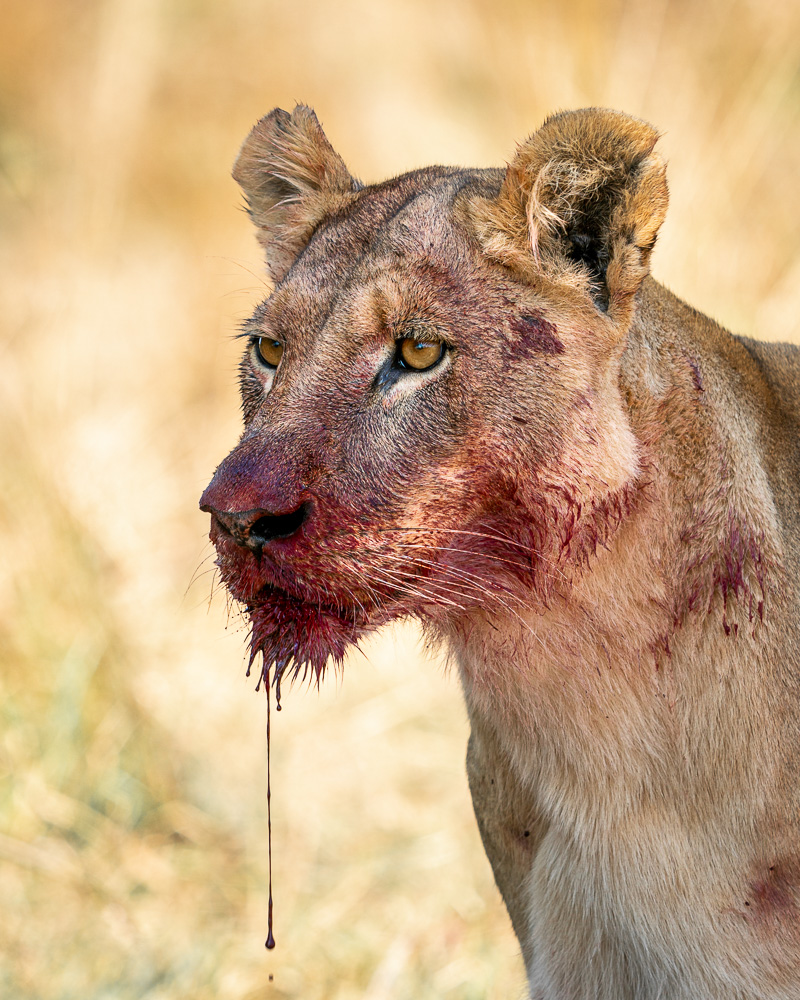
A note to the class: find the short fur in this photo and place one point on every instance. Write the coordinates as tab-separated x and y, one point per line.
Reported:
592	499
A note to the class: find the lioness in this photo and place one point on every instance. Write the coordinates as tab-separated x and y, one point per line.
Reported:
467	401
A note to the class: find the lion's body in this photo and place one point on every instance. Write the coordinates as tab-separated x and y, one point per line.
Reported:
591	495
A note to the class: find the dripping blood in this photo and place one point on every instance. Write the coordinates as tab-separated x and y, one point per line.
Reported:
270	942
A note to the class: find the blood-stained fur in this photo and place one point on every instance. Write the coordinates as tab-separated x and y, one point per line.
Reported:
466	401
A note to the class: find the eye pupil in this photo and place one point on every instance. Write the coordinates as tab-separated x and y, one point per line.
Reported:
420	354
270	351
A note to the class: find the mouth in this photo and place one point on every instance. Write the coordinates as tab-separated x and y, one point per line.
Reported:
299	637
296	628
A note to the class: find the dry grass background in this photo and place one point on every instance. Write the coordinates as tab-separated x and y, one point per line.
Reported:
132	805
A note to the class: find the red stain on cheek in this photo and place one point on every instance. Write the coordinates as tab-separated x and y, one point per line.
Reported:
536	336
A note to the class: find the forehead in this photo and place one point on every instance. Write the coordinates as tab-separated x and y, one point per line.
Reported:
403	226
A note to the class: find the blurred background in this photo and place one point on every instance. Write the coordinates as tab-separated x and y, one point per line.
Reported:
133	835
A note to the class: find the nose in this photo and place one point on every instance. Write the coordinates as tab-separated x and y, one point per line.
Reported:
254	528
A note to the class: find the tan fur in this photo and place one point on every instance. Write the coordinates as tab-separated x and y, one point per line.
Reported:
592	499
291	177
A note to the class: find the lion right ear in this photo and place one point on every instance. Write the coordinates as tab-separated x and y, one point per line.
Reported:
581	205
292	178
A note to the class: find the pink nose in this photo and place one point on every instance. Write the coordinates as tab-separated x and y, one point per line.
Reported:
255	528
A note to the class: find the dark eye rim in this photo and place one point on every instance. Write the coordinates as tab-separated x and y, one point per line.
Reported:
399	361
255	341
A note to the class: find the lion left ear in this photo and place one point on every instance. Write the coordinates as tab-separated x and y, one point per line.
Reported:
292	178
581	202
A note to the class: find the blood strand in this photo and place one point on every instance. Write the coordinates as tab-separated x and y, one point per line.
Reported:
270	942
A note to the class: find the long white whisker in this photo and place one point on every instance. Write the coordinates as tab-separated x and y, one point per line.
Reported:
459	587
480	583
467	552
521	620
465	531
401	580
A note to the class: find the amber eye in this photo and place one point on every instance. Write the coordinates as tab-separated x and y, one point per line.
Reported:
270	351
420	354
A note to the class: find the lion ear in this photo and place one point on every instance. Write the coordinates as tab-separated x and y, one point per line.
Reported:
292	178
581	202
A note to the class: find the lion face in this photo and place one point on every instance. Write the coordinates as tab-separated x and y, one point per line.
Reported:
429	429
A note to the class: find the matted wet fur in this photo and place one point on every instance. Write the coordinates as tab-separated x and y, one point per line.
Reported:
467	401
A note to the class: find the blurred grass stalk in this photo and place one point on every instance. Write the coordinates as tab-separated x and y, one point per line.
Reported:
132	828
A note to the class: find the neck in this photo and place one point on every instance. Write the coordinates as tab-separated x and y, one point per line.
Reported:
635	648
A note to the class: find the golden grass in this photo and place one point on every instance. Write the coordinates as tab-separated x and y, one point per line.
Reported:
132	807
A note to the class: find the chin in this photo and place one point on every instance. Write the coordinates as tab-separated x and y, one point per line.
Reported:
299	638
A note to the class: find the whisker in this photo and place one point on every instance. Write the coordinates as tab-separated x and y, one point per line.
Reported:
197	577
467	552
260	278
211	555
506	540
457	576
462	590
402	581
521	620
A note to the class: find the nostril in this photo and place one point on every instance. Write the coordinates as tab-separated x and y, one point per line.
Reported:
270	526
254	528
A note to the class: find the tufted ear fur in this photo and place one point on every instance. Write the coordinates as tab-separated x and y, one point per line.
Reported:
292	178
581	202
